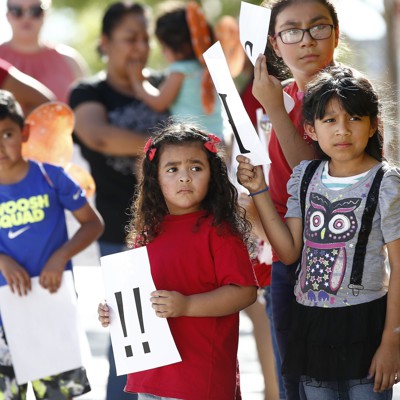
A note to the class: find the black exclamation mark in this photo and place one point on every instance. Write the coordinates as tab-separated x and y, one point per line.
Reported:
136	292
120	304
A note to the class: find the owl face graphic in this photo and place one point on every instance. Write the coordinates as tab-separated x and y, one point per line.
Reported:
328	226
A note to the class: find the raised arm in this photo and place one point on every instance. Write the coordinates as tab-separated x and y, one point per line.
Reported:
269	92
160	99
286	239
95	132
29	92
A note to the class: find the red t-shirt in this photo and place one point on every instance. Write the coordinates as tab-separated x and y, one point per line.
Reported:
4	68
280	170
195	259
250	103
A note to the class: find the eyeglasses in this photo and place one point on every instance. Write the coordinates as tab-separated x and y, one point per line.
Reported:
296	35
35	11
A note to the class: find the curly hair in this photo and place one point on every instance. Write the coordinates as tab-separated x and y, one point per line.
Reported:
355	94
149	207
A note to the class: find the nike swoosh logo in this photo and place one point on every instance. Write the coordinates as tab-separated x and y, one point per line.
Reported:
13	235
77	195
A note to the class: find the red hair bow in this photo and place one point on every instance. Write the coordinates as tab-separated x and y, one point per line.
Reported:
150	152
211	143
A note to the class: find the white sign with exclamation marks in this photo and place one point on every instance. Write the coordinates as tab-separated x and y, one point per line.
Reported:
139	338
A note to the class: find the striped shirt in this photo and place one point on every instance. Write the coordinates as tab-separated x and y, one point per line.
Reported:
338	183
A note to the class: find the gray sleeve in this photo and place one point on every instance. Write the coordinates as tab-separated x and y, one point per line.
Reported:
389	205
293	189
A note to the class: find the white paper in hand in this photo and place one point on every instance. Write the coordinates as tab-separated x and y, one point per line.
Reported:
254	25
243	129
140	340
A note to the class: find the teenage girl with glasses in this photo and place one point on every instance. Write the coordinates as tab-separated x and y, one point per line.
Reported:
30	55
303	35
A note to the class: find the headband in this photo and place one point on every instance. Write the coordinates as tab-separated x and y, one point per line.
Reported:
210	145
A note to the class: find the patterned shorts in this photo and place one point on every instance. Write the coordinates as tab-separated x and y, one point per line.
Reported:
57	387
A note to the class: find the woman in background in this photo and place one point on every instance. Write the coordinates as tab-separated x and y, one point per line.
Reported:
57	67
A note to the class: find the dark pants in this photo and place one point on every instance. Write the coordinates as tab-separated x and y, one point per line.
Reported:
268	309
282	297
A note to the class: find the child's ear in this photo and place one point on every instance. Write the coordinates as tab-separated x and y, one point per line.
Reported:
337	35
310	130
25	132
373	128
274	45
103	45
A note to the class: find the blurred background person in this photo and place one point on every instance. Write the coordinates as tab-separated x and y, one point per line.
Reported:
187	92
57	67
29	92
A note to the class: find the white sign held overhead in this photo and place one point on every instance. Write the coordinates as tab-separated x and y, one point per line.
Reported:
140	340
254	24
243	129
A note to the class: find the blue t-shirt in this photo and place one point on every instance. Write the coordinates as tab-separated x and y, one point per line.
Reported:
32	218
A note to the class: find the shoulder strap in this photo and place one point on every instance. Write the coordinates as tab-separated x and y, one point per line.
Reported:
46	175
365	229
305	181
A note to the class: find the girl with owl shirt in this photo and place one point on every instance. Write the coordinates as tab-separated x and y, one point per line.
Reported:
342	227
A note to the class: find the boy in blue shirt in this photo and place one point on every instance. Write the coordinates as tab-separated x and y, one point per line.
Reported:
34	240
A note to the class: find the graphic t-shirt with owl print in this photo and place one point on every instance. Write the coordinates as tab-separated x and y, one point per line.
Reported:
331	231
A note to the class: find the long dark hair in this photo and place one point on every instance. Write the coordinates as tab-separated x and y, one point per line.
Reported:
355	94
116	12
149	207
280	69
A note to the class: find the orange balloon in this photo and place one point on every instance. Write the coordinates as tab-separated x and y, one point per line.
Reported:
50	134
227	32
82	177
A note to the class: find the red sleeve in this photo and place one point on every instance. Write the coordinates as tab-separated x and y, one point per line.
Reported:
4	68
232	261
250	103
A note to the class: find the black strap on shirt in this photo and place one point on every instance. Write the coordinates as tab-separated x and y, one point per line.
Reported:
305	181
366	221
365	229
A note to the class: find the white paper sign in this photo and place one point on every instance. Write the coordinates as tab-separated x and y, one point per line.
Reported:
140	340
253	26
243	129
42	330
